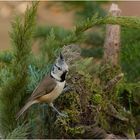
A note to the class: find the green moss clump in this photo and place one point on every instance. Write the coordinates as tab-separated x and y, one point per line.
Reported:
97	99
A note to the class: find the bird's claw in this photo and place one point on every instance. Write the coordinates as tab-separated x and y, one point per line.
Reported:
67	89
63	115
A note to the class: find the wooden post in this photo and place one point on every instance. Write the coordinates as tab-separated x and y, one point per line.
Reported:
112	41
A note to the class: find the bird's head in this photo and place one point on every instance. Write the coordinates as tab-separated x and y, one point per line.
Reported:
59	69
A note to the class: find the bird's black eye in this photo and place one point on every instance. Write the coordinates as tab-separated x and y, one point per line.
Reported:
59	68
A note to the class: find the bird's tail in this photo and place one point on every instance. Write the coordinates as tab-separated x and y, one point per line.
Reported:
24	108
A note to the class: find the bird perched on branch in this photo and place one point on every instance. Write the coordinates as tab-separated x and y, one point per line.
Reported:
49	88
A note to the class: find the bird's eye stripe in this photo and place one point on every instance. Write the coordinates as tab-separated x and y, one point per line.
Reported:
58	67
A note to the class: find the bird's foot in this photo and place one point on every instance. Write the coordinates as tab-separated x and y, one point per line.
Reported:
63	115
67	89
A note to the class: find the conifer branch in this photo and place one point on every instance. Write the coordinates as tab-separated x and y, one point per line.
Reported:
19	133
77	34
78	31
5	57
14	91
131	22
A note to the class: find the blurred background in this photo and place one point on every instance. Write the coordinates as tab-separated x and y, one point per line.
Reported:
53	13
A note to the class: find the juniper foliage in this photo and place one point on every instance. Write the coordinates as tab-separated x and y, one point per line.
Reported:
19	132
13	92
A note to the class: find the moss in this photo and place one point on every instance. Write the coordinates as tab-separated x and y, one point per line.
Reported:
76	131
97	99
107	72
76	105
88	104
103	122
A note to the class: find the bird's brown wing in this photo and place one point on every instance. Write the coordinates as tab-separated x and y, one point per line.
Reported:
44	87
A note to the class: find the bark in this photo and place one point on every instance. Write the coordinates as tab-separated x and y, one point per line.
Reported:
112	41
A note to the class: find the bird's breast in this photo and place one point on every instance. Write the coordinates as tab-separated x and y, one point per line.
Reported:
50	97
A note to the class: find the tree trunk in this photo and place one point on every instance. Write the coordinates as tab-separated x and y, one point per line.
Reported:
112	41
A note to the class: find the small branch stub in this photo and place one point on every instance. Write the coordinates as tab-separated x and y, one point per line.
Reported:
113	82
112	41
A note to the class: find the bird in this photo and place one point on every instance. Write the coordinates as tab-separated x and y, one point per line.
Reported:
49	88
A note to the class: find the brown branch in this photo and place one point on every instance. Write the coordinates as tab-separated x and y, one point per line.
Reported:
113	82
114	113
